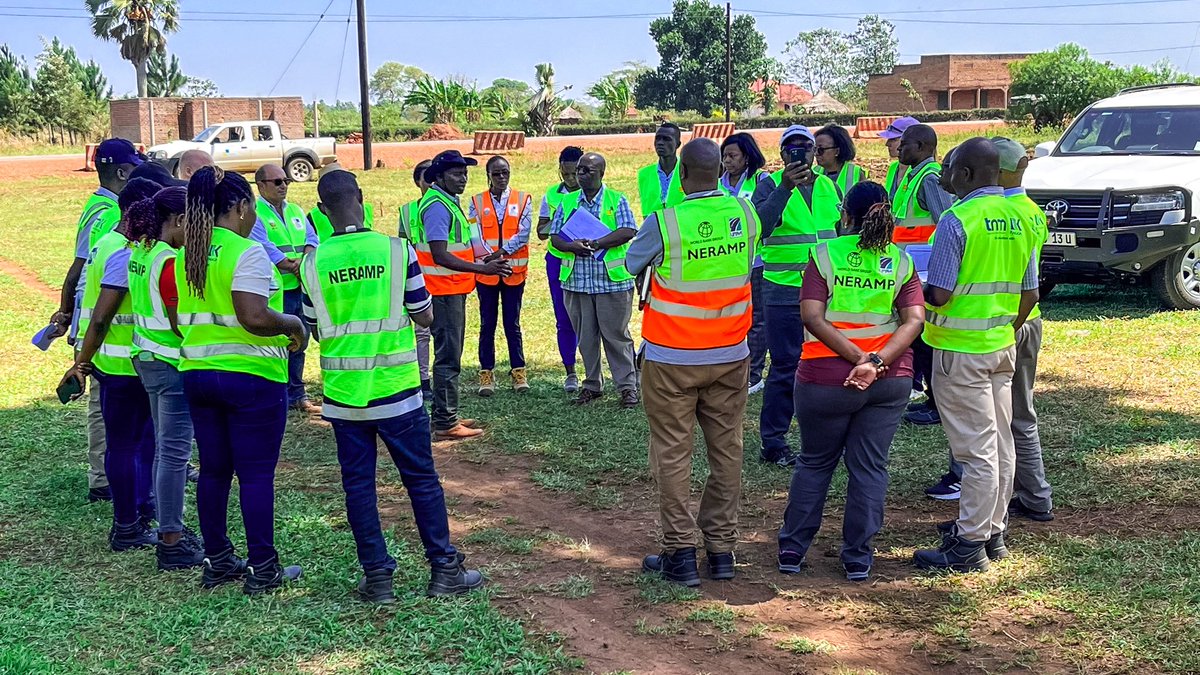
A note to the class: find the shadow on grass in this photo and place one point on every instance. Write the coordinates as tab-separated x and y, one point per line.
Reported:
1086	302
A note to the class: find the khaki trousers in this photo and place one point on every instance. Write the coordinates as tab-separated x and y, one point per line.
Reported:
974	395
96	441
676	398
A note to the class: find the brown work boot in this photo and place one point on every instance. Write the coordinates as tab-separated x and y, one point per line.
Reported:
586	396
307	407
470	423
519	380
487	383
456	433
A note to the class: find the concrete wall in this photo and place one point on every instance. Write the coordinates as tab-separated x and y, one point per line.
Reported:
159	120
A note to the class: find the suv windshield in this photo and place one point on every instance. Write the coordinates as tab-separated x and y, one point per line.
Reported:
1130	131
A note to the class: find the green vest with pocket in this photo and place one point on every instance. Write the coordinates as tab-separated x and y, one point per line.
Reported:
152	329
113	357
614	258
785	252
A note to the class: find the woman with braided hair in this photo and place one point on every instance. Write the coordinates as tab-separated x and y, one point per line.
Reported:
233	357
862	307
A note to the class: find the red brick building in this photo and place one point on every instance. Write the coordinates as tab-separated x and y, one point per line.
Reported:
788	97
945	82
159	120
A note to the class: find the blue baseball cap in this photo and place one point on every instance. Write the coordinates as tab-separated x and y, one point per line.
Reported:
794	131
896	129
118	151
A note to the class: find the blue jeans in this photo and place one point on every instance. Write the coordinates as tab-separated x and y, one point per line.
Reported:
757	337
129	437
173	438
407	440
785	337
293	304
239	421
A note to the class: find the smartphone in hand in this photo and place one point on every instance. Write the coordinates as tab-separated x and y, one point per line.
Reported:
69	390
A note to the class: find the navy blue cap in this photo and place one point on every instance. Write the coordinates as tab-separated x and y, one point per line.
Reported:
447	159
118	151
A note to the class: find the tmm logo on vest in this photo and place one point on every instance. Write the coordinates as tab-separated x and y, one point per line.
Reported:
359	273
854	281
1012	225
704	252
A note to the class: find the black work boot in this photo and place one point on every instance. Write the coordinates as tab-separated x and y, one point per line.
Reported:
995	548
128	537
452	578
375	586
222	569
720	565
99	494
268	577
678	567
183	554
955	554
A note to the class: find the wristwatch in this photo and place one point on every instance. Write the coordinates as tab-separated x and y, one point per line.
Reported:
875	360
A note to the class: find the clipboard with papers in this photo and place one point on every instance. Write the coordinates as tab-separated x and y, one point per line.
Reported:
583	225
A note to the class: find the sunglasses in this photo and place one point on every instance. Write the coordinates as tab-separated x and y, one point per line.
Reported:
277	182
821	150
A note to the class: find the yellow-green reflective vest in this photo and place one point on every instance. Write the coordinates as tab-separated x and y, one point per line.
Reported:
914	224
786	251
850	175
409	213
368	348
113	358
324	228
614	258
863	287
892	178
554	197
289	234
745	190
213	339
443	280
152	329
1037	220
102	213
987	298
650	189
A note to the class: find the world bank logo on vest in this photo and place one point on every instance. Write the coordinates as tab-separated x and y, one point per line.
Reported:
705	229
735	228
854	258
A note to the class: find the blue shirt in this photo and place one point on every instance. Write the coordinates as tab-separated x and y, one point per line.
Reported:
259	234
950	245
590	275
664	181
436	218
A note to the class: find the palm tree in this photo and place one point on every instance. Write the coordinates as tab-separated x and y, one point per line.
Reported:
441	100
545	107
139	26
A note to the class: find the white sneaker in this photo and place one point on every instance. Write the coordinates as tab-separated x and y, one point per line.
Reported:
757	387
914	396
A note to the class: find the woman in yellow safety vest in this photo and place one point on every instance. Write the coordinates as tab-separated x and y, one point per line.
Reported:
835	155
233	357
862	307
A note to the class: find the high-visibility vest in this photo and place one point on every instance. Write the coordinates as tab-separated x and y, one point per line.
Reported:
650	189
786	251
102	213
863	287
409	214
554	197
614	258
440	280
700	292
983	305
356	282
152	328
213	338
914	225
324	228
289	234
113	357
1036	219
850	175
892	178
495	232
745	190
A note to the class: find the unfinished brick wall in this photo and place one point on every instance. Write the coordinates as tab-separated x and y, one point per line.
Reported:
945	81
183	118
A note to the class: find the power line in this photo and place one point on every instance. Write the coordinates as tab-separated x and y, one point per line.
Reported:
337	87
299	49
1105	3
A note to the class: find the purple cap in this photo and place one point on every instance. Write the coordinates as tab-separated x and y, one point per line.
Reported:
118	151
896	129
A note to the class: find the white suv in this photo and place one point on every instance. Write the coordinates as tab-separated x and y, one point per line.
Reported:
1118	192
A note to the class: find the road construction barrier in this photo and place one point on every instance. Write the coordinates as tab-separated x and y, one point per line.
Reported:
718	131
89	154
869	127
498	141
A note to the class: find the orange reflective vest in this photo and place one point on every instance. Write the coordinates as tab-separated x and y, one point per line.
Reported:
440	280
914	224
495	232
700	292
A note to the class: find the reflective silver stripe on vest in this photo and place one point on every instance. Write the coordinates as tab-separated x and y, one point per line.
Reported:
784	267
991	288
615	263
376	412
519	262
675	241
232	349
367	362
690	312
287	248
943	321
790	239
857	317
153	347
870	331
156	301
436	271
117	319
115	351
397	316
209	319
153	322
360	327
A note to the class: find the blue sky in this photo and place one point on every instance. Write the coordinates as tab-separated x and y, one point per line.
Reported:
246	54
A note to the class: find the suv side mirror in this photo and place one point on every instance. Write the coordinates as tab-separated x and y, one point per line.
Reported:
1043	149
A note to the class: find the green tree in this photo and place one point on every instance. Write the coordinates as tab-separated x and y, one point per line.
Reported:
841	63
199	87
770	71
874	51
164	77
545	106
58	94
818	59
441	100
615	96
506	98
691	50
140	27
392	81
16	92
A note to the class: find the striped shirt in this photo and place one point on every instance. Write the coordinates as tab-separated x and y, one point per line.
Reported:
590	275
950	245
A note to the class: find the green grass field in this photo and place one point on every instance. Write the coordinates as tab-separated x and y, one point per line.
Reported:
1111	586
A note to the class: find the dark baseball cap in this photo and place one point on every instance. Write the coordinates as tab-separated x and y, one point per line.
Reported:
157	173
447	159
118	151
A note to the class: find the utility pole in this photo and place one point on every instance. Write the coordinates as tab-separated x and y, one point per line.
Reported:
363	90
728	59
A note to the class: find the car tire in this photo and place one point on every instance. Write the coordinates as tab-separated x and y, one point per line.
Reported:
1045	288
1177	280
299	169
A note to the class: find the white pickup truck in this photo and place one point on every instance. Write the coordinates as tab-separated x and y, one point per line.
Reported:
245	146
1119	193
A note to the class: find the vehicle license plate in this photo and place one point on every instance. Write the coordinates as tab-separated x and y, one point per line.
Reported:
1059	238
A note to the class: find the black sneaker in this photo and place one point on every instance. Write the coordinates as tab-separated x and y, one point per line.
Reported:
1018	509
948	488
917	406
629	399
924	417
452	578
375	587
995	548
99	494
956	554
678	567
186	553
268	577
857	571
790	562
129	537
720	565
786	459
222	569
193	474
